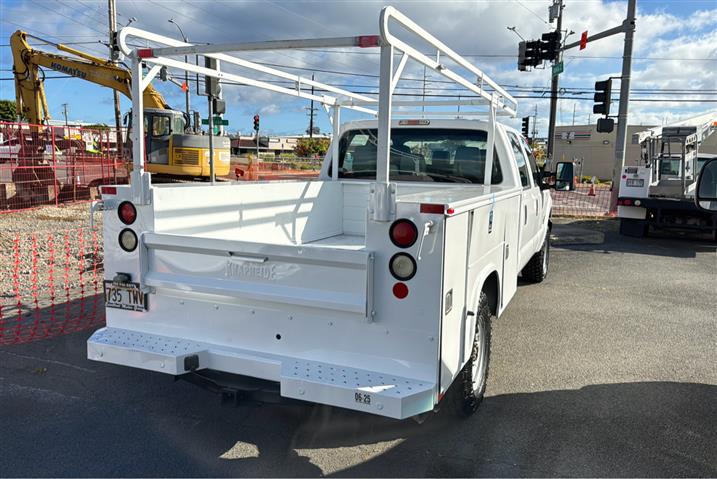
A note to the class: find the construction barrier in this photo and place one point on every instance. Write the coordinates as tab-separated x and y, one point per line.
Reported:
282	169
41	165
586	199
50	284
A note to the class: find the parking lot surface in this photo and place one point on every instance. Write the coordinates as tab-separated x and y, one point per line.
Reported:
608	368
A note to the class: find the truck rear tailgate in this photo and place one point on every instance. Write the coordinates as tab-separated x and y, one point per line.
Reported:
325	278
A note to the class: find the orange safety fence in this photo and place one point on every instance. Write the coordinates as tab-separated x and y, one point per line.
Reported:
296	168
49	165
50	284
586	199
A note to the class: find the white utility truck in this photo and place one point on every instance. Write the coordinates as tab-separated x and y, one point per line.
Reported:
372	288
661	193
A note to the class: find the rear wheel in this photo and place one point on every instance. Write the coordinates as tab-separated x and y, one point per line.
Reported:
469	386
537	268
634	228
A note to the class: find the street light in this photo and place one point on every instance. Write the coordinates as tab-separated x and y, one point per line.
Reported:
186	73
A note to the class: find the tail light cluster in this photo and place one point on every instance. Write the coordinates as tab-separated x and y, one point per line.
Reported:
403	233
628	202
127	214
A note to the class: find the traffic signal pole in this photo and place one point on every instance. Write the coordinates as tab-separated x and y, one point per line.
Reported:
554	92
621	140
628	28
211	139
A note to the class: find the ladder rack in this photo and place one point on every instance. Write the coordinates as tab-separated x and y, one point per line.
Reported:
482	90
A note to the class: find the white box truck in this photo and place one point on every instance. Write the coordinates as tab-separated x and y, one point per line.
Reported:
372	288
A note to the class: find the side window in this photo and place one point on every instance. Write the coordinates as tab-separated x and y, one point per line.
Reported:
160	126
531	161
521	160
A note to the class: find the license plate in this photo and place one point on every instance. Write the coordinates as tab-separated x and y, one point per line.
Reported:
638	183
125	296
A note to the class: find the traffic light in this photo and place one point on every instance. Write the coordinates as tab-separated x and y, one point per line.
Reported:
219	106
256	122
602	97
211	84
550	46
529	54
526	126
605	125
521	57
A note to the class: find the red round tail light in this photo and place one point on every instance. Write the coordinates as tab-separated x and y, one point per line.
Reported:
127	212
400	290
403	233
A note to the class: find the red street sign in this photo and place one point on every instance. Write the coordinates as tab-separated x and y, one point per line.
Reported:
584	40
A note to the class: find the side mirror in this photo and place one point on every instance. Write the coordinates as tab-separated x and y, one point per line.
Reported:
706	190
564	176
546	180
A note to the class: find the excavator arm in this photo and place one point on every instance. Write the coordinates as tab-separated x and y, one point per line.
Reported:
29	78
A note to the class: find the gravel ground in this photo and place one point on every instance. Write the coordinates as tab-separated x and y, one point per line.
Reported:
50	256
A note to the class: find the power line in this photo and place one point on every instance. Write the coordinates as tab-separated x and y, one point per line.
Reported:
531	11
562	96
510	56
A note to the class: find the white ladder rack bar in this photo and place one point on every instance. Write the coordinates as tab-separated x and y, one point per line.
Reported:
428	114
362	41
505	101
325	99
153	37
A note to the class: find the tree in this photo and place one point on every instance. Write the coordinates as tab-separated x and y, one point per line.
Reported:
306	147
8	111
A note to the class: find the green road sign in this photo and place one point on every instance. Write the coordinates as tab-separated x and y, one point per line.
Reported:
217	121
558	68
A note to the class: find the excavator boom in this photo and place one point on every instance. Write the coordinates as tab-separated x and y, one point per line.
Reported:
29	88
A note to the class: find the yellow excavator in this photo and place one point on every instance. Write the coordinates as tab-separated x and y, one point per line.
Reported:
172	148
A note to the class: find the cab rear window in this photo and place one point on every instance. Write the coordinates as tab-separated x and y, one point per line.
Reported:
419	154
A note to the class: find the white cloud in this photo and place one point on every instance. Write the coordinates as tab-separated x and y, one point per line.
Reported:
474	28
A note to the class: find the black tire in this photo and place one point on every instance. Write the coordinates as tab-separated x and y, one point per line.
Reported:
633	228
537	268
469	386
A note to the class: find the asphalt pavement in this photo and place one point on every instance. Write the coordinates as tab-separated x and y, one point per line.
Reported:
608	368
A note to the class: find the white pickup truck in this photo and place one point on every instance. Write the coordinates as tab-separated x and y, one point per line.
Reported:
372	288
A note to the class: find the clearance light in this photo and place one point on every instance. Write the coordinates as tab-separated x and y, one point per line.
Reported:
414	122
127	212
128	240
432	209
403	233
402	266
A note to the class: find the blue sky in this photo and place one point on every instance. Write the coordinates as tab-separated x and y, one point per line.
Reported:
676	48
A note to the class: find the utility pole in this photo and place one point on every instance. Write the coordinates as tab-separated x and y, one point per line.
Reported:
67	126
112	15
185	87
311	111
574	104
621	139
554	89
535	123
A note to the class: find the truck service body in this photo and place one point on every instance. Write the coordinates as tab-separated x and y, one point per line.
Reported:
661	193
369	289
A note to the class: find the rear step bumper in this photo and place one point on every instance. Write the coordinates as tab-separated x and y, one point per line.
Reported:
358	389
